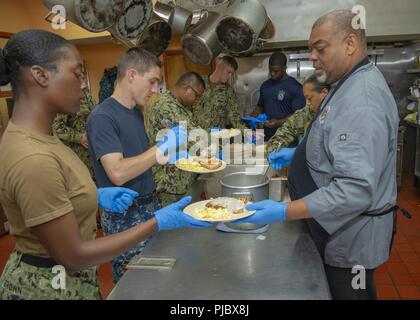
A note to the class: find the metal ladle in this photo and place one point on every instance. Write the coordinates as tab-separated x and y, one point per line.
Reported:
265	174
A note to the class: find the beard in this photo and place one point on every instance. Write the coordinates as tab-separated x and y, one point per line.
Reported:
322	78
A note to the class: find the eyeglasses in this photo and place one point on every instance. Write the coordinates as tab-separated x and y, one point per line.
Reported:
197	94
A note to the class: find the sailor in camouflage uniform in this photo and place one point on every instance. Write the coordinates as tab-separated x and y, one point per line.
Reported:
219	105
71	129
296	124
175	106
29	282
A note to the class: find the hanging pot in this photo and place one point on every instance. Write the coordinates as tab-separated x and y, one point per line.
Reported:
180	20
200	44
197	15
266	34
241	25
164	11
134	19
269	30
94	16
156	37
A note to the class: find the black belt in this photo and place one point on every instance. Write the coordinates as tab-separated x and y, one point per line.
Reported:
143	200
392	209
39	262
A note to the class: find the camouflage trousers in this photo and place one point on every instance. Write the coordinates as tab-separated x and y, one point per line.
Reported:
114	223
168	198
23	281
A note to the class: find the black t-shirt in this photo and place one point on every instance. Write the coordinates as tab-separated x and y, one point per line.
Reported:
112	128
279	99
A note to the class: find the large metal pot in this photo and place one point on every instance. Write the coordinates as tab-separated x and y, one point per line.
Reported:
269	30
254	187
241	25
180	20
134	20
200	44
197	15
266	34
156	37
94	16
164	11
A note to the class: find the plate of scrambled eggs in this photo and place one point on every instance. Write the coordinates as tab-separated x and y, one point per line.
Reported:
200	165
222	209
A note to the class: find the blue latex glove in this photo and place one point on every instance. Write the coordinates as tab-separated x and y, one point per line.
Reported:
262	118
255	121
175	137
172	217
253	124
123	203
220	155
281	158
267	211
116	199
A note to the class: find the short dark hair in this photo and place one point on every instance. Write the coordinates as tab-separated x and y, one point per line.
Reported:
278	58
231	61
26	49
342	22
317	85
138	59
190	79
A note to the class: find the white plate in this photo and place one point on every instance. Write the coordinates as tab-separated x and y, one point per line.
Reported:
191	209
201	169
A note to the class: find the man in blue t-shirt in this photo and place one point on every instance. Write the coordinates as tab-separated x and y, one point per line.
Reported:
280	96
119	150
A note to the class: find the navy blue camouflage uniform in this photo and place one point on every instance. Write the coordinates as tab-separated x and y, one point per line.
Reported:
114	223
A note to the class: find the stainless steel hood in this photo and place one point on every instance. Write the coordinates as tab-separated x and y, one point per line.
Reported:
386	20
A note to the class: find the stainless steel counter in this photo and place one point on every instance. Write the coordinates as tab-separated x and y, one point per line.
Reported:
214	265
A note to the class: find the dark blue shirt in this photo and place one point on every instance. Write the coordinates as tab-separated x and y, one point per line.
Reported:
113	128
279	99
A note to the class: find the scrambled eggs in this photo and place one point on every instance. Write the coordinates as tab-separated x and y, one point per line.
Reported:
189	165
211	213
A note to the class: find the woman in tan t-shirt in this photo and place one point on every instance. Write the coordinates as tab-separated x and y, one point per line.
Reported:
47	194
